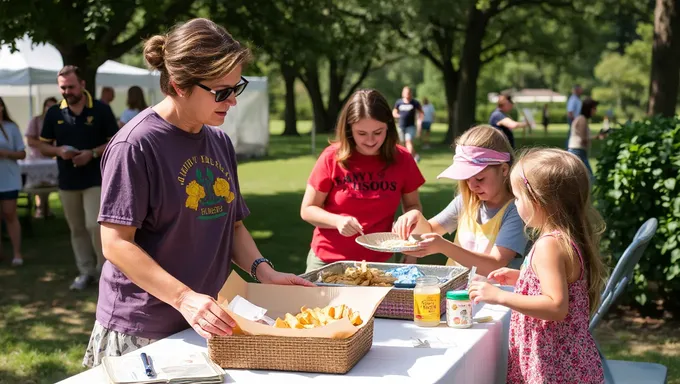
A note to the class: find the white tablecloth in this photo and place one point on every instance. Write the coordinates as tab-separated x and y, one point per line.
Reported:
39	172
477	355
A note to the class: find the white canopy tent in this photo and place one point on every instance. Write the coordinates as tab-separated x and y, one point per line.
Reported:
28	76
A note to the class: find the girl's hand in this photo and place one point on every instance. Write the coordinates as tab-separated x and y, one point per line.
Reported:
349	226
483	291
431	244
505	276
406	223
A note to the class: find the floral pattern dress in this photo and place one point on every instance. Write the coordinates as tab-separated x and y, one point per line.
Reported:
553	352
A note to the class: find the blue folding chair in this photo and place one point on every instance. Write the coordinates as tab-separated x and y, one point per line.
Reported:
618	371
623	272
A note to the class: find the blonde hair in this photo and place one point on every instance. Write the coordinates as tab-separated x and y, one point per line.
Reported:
558	184
363	104
192	52
483	136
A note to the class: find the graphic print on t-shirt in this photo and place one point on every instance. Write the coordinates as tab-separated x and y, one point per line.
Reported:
364	182
208	193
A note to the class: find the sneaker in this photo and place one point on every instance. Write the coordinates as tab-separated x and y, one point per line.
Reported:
81	282
17	262
417	158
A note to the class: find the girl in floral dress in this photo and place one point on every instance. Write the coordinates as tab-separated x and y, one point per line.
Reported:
560	282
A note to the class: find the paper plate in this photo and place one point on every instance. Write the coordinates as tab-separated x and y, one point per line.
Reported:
374	241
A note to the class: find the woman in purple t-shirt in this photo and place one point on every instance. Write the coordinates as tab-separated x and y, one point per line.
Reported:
171	209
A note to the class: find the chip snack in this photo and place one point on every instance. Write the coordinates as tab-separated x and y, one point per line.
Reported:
318	317
360	276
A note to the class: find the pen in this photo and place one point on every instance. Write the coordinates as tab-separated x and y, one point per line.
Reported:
147	364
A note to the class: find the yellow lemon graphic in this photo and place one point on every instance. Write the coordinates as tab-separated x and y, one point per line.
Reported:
192	202
222	188
195	193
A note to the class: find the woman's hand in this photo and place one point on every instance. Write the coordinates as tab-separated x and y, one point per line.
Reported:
505	276
406	223
349	226
430	244
483	291
204	315
281	278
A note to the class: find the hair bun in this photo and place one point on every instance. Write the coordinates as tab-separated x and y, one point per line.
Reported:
153	52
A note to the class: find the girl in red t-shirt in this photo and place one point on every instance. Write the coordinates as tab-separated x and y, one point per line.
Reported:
359	182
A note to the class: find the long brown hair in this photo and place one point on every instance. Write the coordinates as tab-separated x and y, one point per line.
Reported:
4	117
135	98
483	136
48	100
558	184
365	104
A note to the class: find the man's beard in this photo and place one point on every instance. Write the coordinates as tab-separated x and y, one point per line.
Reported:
73	99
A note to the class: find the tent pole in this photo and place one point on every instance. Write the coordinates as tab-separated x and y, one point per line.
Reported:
30	99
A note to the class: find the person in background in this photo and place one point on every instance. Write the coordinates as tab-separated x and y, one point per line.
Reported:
135	104
11	150
81	127
428	119
172	210
358	183
408	111
580	138
42	201
573	108
499	118
546	119
107	96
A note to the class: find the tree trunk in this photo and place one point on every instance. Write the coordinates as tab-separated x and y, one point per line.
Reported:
336	78
665	76
311	82
470	65
450	90
290	114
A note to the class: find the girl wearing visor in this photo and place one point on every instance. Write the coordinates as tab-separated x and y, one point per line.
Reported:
489	232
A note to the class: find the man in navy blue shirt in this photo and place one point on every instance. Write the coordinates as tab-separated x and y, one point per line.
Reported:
499	118
76	132
405	109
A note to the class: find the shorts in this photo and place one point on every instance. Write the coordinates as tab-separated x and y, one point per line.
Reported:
106	342
9	195
426	125
407	133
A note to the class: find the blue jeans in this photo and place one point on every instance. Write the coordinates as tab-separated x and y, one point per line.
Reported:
583	155
407	133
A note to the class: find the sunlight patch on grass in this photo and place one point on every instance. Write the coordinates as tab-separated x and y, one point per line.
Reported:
258	235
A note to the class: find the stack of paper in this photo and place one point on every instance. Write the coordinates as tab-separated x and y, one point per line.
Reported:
194	368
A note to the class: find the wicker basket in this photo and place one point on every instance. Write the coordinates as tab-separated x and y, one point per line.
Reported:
398	304
299	354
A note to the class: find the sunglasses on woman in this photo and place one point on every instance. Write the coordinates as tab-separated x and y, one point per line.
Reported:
224	94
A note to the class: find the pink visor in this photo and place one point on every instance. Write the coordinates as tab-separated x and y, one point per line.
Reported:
469	161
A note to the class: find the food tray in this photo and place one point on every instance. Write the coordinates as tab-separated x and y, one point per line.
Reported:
298	354
398	304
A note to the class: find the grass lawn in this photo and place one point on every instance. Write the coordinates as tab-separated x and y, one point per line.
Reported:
44	328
